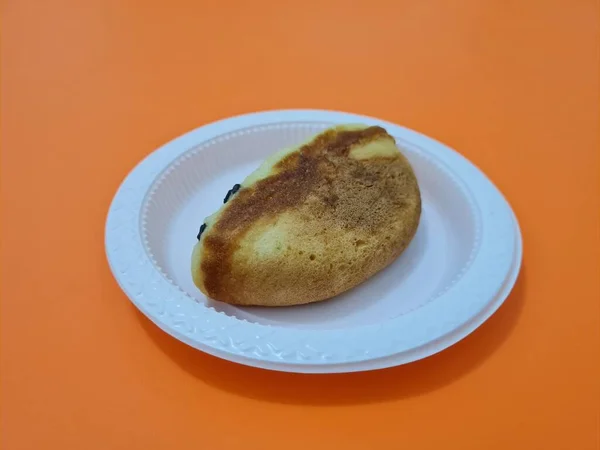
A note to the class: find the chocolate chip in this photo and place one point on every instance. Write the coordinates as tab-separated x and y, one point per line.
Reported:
233	190
202	228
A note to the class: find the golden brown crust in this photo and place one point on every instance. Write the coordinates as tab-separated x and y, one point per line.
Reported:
342	219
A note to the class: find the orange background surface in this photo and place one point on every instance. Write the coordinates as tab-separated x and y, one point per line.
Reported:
91	87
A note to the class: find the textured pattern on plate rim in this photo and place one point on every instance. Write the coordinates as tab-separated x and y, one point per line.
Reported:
223	335
405	146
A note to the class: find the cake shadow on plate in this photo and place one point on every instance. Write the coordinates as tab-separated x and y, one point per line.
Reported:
383	385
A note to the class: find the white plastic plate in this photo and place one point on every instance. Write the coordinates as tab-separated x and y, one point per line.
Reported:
461	265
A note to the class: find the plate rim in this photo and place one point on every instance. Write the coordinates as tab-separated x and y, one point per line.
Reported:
290	349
